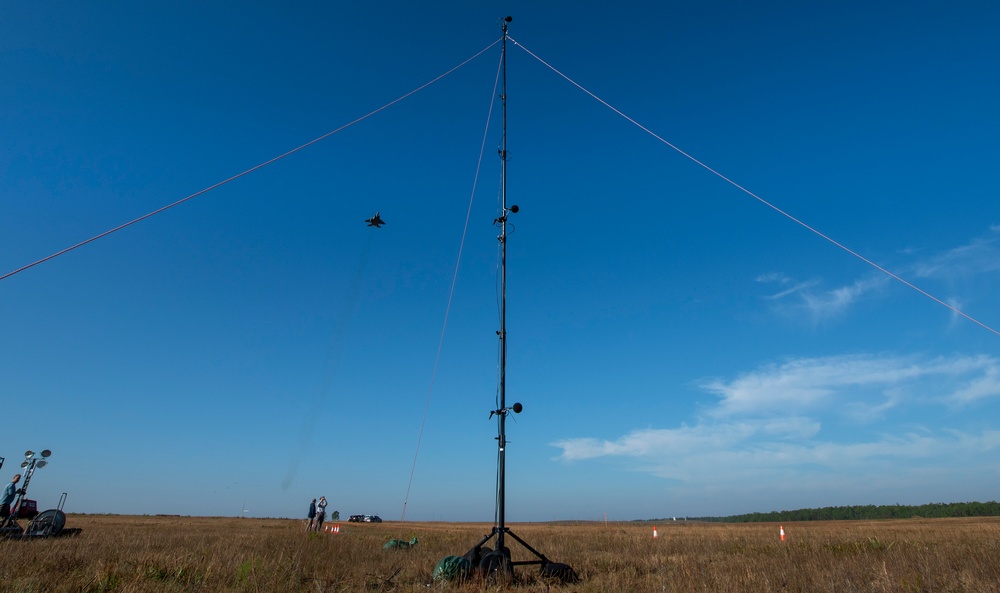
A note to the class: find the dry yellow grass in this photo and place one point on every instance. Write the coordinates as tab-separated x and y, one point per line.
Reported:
162	554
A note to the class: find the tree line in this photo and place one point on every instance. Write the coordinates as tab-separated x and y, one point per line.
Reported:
854	513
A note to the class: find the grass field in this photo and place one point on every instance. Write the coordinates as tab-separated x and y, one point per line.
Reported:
119	553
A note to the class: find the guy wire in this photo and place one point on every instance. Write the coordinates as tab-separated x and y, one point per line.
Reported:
451	291
251	169
816	232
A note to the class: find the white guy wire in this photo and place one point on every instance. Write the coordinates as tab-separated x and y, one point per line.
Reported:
251	169
762	200
451	292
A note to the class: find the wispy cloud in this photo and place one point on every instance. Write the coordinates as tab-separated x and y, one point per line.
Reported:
966	274
817	302
979	256
962	269
686	440
812	384
985	384
846	429
814	421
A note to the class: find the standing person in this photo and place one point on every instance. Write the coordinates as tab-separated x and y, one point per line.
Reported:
311	515
8	497
320	513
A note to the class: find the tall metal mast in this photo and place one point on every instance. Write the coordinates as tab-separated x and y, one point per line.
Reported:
502	437
499	561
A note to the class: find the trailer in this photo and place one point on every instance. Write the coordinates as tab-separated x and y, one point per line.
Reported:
49	523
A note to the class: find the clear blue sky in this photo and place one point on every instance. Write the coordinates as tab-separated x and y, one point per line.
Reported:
680	348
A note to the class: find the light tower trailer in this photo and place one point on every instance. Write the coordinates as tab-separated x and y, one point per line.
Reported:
50	523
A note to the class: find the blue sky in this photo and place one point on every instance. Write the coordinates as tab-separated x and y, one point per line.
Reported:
680	347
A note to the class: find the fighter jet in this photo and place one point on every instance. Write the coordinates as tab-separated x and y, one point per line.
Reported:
375	221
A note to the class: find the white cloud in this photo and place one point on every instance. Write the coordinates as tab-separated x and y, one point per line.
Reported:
979	256
653	443
819	304
795	289
812	384
726	453
979	387
835	302
818	425
968	269
774	277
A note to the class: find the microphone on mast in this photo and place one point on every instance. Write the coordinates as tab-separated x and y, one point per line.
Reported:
513	210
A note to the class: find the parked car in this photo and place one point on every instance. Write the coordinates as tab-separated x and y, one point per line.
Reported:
373	519
356	519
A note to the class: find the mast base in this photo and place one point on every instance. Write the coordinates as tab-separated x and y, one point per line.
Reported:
498	566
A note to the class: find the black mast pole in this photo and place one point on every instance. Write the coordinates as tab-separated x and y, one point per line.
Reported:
502	437
499	559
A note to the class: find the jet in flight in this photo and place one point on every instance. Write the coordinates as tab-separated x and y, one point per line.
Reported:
375	221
